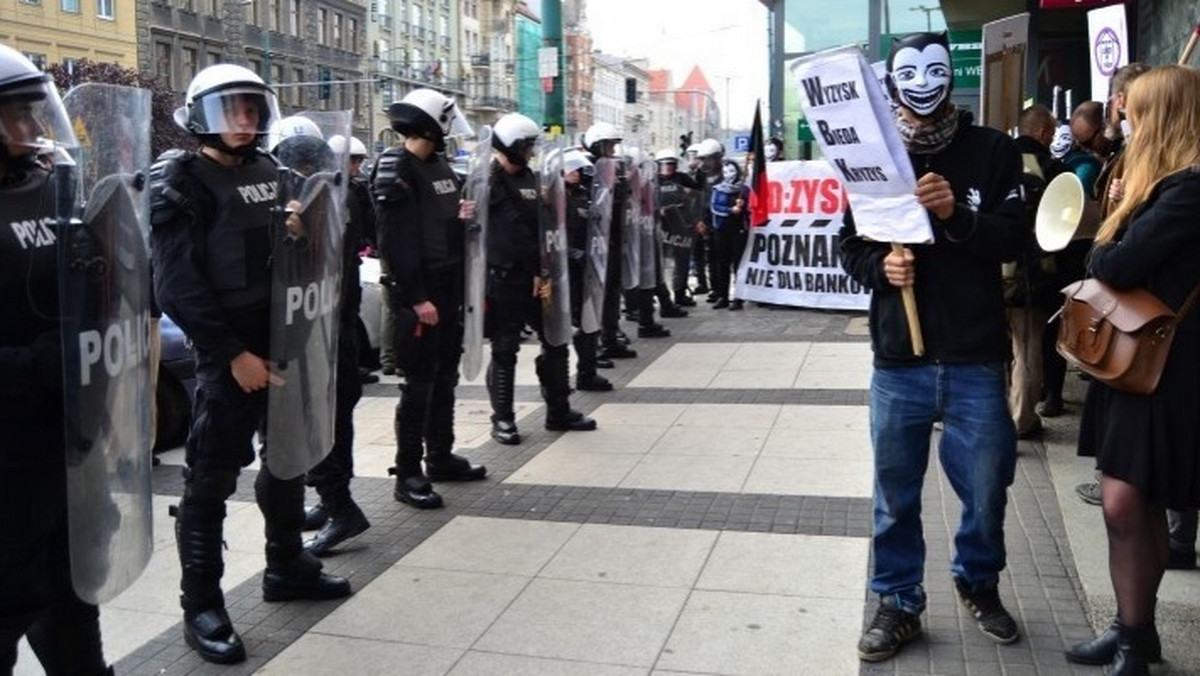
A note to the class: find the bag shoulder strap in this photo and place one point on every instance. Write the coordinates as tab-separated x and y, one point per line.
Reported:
1187	304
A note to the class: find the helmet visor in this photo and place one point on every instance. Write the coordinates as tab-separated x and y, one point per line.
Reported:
458	124
238	110
33	119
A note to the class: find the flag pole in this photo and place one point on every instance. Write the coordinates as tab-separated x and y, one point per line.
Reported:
910	309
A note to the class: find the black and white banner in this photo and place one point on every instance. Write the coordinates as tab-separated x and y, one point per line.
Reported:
794	258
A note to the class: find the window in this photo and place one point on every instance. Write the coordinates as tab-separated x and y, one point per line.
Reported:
273	15
105	9
162	64
294	92
187	5
256	66
322	23
69	65
416	17
352	34
294	17
213	58
277	78
188	61
70	6
336	37
213	8
31	2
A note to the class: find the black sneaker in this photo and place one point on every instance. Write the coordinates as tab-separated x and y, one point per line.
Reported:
985	606
889	631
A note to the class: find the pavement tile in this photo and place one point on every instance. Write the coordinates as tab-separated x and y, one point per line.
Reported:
318	654
789	565
690	473
499	546
476	663
756	634
845	478
586	621
659	557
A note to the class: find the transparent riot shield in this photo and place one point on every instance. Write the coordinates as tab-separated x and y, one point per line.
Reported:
631	225
552	231
648	258
604	183
307	240
475	264
104	290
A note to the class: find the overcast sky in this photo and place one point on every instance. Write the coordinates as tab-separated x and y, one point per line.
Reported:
726	38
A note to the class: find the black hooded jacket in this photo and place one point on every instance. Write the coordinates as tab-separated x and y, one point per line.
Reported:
958	283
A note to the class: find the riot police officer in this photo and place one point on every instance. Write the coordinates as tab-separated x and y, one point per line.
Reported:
212	235
601	141
677	198
419	223
573	164
36	596
518	282
711	155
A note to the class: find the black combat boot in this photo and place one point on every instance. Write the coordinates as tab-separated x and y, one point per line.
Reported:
346	520
553	372
315	516
291	572
441	464
207	628
500	379
1102	649
586	378
412	486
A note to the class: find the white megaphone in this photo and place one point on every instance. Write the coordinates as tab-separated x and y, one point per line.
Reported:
1065	214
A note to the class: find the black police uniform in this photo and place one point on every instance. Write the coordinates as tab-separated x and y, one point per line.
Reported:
36	596
514	260
675	192
610	315
701	245
578	208
331	477
211	239
422	240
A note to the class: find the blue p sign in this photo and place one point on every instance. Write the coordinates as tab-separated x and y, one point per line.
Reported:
741	143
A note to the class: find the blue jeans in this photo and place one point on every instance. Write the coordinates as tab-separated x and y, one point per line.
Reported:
978	452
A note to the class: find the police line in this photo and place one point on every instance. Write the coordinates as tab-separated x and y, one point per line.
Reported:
794	258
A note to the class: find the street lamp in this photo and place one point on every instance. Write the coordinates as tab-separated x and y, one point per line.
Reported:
928	11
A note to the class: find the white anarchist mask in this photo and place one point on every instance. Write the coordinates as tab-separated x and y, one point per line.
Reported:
922	76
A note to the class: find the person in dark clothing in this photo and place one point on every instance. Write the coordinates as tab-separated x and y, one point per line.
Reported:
704	253
573	164
518	284
420	224
1145	445
601	141
729	199
337	516
36	595
677	191
977	216
1028	291
211	216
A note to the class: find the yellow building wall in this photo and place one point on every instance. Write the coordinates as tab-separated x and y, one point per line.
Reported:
44	28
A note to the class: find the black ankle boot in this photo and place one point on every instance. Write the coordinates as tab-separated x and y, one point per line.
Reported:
505	431
210	633
301	578
416	490
569	421
1131	658
592	383
346	520
1103	649
451	467
315	517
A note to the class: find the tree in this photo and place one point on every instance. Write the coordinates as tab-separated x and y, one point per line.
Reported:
164	133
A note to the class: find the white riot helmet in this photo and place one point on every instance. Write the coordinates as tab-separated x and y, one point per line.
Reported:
288	127
212	97
428	114
598	132
46	123
709	147
666	155
355	148
567	161
515	135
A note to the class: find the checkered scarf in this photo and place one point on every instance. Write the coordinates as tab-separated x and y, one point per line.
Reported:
929	139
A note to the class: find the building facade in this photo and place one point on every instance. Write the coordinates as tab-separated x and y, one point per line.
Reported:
62	31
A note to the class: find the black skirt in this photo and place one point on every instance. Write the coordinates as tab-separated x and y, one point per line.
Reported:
1151	441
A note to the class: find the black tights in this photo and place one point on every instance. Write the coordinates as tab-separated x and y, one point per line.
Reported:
1137	550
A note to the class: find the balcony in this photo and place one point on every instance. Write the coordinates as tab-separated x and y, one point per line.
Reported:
494	103
483	60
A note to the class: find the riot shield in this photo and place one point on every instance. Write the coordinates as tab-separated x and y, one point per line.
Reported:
552	236
631	227
475	263
648	258
604	183
104	290
307	239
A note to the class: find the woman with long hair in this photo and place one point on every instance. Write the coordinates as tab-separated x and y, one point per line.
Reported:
1145	445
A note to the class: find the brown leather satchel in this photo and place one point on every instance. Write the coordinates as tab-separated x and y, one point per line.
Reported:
1120	338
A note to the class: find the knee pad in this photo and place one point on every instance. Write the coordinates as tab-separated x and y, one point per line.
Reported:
208	485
